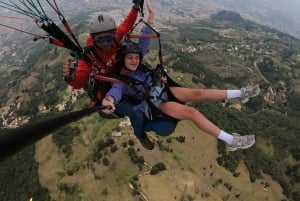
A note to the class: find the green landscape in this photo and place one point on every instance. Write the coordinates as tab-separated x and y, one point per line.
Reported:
82	161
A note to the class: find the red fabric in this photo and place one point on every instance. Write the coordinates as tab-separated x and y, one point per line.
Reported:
109	57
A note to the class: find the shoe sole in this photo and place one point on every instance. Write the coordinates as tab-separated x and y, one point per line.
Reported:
148	146
246	147
248	98
244	100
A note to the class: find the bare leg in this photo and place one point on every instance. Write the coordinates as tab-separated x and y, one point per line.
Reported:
183	112
187	95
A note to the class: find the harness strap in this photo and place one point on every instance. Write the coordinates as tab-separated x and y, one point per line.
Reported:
142	36
155	35
95	60
130	35
154	113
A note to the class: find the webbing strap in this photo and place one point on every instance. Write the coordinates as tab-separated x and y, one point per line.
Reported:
53	30
130	35
155	35
142	36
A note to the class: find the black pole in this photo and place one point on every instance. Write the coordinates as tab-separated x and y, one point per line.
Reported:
13	140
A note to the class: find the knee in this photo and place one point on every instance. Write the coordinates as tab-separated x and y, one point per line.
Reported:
161	128
190	110
135	113
137	117
126	109
166	130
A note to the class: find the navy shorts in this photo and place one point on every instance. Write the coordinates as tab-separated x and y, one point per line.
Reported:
159	95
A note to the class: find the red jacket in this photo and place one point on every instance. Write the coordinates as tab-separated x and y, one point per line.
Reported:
109	57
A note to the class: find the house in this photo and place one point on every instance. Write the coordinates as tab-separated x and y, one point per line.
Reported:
125	123
116	134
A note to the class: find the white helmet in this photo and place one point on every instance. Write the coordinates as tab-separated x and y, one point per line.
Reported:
102	23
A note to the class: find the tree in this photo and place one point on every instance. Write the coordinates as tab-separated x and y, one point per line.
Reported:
105	161
100	145
131	143
109	141
113	149
157	168
169	140
105	192
124	144
180	139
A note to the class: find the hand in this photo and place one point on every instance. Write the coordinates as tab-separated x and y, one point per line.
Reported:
109	101
136	4
68	68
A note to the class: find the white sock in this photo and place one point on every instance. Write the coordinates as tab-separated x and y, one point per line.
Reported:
226	137
233	94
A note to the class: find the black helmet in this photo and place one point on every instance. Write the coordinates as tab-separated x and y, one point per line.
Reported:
129	47
126	48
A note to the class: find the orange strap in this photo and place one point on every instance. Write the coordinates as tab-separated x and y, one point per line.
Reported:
142	36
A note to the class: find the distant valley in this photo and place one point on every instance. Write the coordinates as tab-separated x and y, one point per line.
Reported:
83	161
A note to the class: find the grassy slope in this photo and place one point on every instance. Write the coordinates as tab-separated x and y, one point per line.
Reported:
191	170
189	166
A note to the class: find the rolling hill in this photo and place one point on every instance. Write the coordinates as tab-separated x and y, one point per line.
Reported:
83	162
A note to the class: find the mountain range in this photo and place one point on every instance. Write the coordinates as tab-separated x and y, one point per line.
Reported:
279	14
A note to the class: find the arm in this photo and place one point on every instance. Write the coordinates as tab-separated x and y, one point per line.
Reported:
79	77
144	42
113	97
128	23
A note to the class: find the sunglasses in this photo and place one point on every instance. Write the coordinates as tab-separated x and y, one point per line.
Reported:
104	40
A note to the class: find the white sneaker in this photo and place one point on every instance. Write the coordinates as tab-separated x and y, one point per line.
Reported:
249	91
241	142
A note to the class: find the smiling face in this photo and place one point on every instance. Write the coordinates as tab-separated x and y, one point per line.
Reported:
132	61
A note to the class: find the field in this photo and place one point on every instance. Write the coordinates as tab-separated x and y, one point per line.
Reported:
192	172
